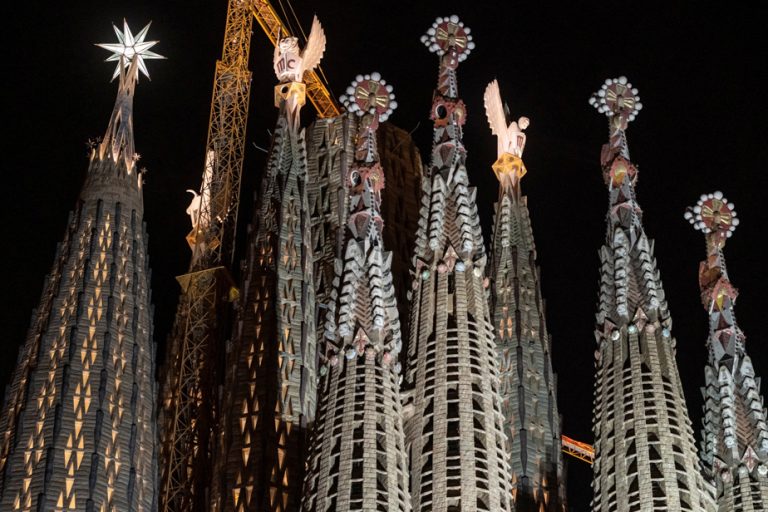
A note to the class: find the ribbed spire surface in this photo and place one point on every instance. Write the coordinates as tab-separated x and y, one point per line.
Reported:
735	433
528	385
270	389
458	458
78	430
645	458
358	459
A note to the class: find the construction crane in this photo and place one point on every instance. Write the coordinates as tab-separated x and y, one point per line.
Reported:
578	449
189	394
190	380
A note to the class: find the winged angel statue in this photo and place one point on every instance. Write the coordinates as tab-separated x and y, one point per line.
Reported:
291	63
510	137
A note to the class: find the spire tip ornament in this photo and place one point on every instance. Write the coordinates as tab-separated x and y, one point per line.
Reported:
617	97
370	94
130	47
509	166
446	34
713	215
620	102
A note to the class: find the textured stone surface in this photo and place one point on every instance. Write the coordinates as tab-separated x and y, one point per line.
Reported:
734	446
358	459
78	426
454	427
645	458
270	389
529	397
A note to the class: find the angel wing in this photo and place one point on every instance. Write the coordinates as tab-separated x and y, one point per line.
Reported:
315	48
494	109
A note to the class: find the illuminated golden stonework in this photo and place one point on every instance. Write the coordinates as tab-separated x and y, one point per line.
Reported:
296	90
509	164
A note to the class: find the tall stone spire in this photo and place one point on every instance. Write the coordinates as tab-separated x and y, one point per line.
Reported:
129	52
645	457
528	385
270	388
458	458
78	430
358	459
735	434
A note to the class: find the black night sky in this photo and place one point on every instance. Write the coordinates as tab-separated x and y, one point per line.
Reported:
700	72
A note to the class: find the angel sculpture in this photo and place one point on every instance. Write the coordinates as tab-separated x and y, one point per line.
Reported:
290	63
510	137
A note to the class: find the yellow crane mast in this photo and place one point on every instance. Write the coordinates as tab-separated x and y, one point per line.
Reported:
189	395
189	407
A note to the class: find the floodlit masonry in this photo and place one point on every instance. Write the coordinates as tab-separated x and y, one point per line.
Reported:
528	384
454	428
78	427
734	446
645	457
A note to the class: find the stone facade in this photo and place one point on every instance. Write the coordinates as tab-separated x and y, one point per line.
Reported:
270	389
528	384
645	457
735	434
454	426
78	427
358	459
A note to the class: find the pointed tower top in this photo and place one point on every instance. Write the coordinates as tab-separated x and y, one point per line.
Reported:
716	218
130	52
619	101
370	94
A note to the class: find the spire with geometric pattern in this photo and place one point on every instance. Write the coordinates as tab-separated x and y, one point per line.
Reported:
528	385
358	459
78	426
270	386
735	434
454	426
645	456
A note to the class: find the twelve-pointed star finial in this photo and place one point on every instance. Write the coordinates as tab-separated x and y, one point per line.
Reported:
130	47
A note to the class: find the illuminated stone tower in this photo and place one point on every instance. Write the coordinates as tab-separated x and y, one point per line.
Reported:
645	457
78	430
269	394
358	460
735	433
458	461
528	386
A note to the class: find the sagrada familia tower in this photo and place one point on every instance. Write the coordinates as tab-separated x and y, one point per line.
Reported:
735	435
528	384
645	457
369	353
454	426
78	425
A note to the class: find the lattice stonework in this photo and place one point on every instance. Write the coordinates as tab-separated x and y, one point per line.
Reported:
457	456
78	426
269	395
358	459
735	434
645	458
529	396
